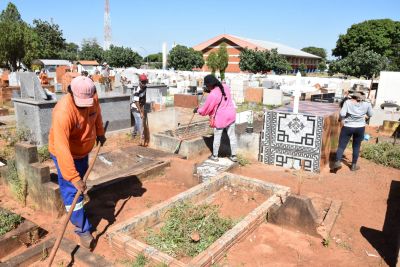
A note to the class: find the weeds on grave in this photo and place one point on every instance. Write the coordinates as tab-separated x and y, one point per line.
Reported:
11	137
184	220
17	185
8	221
140	261
326	242
45	254
383	153
43	153
242	160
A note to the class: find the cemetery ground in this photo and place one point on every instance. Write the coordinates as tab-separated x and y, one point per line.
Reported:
358	238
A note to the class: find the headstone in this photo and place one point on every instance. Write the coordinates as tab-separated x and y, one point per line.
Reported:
272	97
30	86
388	88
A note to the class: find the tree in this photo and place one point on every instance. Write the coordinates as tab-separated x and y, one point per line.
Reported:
322	66
302	69
184	58
51	40
223	58
212	62
360	63
119	56
261	61
317	51
70	52
91	50
155	60
277	63
252	60
14	35
381	36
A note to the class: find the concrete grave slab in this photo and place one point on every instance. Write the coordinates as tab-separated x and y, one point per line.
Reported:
81	256
196	140
27	233
122	241
209	169
315	217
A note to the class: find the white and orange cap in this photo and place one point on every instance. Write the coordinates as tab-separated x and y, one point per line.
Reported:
83	90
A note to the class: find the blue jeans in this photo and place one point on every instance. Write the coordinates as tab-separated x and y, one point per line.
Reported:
345	134
68	191
138	128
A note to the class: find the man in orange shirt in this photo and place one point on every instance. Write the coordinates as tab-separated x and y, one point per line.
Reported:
76	124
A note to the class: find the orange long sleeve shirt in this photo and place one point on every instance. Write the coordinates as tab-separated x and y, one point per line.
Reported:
73	134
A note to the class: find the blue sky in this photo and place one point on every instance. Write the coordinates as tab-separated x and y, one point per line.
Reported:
144	25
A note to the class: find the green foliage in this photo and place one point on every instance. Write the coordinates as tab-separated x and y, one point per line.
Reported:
223	59
326	242
278	63
14	33
381	36
183	58
153	57
256	61
70	52
119	56
91	50
43	153
322	66
302	69
182	221
317	51
383	153
360	63
140	261
212	62
8	221
17	185
242	160
51	41
154	60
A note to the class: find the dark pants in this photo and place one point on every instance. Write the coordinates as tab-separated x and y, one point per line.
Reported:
345	134
68	191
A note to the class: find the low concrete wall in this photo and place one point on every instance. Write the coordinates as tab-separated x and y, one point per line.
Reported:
36	115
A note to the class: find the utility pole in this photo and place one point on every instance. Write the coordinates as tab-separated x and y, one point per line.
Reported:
107	26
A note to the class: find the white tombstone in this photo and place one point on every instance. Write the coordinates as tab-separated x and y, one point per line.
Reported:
272	97
388	88
297	93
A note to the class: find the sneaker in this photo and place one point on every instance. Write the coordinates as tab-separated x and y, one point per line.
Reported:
233	158
213	158
86	240
337	165
354	167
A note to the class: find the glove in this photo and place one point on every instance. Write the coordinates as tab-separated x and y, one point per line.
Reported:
80	186
102	139
195	110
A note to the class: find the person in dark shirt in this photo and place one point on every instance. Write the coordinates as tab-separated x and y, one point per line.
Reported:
137	108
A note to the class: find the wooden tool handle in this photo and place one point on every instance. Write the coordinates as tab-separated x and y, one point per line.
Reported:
71	209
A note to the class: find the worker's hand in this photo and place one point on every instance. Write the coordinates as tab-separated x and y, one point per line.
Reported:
102	139
195	110
80	186
141	115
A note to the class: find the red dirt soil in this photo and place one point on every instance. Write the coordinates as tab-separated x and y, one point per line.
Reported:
364	194
236	204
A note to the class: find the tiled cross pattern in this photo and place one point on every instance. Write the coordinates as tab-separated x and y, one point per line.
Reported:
288	138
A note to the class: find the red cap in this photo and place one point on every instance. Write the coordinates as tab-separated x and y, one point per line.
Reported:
142	77
83	90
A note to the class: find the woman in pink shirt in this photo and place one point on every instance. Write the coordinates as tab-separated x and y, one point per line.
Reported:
219	106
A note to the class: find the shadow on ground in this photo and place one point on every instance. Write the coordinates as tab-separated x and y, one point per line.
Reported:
387	241
102	204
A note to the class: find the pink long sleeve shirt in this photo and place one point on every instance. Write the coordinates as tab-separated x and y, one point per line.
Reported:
226	113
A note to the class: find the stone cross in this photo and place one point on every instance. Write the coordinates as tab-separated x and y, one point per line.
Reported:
297	93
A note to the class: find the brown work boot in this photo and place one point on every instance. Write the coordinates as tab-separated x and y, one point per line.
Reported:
86	240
